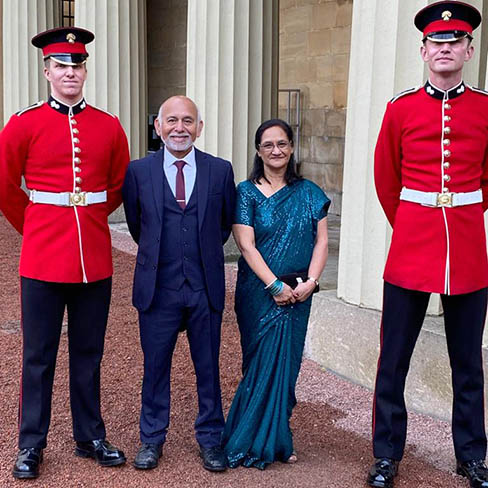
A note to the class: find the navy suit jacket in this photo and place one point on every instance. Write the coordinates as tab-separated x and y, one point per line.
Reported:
143	203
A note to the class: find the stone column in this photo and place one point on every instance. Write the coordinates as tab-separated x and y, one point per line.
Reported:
384	60
483	35
23	80
117	64
343	337
232	71
472	68
365	234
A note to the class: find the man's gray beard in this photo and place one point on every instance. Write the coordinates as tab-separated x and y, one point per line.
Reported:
178	147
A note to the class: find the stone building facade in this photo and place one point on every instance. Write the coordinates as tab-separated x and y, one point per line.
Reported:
314	46
315	39
347	57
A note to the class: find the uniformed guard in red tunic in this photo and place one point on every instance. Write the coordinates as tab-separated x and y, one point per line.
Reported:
73	158
431	176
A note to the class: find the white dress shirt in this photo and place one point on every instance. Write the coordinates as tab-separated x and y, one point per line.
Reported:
189	171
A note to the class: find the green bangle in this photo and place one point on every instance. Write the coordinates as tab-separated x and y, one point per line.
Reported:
276	287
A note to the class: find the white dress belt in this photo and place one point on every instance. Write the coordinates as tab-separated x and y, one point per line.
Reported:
434	199
68	199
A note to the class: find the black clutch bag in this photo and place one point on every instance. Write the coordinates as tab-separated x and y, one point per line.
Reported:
293	279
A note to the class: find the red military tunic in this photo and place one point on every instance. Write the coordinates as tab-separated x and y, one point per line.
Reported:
58	151
432	141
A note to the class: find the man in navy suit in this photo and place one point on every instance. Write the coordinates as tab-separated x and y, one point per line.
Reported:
179	204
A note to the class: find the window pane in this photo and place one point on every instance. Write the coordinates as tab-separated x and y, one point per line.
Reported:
67	9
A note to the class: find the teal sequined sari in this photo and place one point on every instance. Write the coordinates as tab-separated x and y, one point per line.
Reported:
257	430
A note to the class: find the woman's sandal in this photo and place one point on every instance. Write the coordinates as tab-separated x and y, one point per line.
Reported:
293	458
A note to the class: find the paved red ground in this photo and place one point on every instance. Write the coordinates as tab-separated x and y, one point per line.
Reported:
332	451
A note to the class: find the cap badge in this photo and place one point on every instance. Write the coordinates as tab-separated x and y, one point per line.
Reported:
71	37
446	15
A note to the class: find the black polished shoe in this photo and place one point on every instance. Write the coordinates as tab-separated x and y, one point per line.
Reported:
102	451
213	458
382	473
476	472
148	455
27	463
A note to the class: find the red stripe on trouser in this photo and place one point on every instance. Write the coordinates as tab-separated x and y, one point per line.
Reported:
481	355
377	370
19	415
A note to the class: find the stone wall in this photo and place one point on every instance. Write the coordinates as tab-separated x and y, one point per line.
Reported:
166	50
315	40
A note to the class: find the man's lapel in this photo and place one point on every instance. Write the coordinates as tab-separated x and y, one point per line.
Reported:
202	182
157	175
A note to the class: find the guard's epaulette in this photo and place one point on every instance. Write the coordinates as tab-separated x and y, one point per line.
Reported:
415	89
477	90
104	111
30	107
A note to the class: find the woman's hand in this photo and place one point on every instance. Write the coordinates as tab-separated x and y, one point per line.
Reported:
285	297
304	290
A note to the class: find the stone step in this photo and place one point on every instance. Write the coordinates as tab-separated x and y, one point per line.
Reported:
345	339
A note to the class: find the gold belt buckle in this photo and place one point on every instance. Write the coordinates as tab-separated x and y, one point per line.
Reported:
444	199
77	199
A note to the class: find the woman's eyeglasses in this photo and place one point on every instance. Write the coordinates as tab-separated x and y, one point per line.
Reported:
269	146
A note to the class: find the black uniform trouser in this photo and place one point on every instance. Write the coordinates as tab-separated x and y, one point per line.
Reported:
403	314
43	305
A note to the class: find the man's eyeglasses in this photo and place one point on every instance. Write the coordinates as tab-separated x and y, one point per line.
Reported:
269	146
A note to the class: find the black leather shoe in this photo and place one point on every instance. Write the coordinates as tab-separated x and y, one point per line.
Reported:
382	473
213	458
102	451
476	472
27	463
148	455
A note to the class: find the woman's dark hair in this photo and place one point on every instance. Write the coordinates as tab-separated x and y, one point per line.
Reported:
257	172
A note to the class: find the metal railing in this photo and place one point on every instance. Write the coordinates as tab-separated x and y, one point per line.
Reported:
293	116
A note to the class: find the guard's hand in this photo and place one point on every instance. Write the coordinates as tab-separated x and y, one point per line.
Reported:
304	290
285	297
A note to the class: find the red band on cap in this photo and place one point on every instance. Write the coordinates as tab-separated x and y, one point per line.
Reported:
64	48
451	25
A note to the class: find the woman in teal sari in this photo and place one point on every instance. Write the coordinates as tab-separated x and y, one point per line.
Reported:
280	228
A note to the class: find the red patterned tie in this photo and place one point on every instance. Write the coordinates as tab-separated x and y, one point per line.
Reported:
180	184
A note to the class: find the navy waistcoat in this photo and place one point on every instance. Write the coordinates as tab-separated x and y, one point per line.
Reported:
179	255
